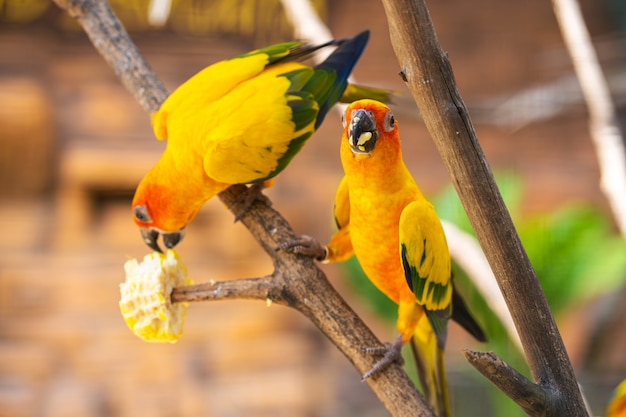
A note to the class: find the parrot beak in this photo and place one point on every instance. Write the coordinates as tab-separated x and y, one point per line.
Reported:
150	237
170	239
362	132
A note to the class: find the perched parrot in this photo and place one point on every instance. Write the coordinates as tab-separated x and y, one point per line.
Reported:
399	241
617	404
239	121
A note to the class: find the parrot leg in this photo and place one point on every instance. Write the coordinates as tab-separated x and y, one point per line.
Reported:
391	352
305	246
254	193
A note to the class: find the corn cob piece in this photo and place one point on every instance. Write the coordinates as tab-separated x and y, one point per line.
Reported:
145	297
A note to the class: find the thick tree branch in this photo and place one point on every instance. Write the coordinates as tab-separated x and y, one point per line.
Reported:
429	77
296	281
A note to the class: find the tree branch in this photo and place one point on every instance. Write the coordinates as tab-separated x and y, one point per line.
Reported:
111	40
604	126
240	289
296	281
429	76
530	397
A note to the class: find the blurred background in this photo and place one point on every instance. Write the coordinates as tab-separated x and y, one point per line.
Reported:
74	144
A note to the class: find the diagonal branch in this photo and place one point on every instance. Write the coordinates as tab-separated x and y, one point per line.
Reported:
296	282
604	126
530	397
428	73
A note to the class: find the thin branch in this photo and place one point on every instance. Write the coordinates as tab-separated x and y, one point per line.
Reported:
159	12
534	104
296	281
530	397
236	289
605	130
111	40
305	21
429	76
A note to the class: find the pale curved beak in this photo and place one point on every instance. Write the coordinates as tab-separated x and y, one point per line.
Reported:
362	132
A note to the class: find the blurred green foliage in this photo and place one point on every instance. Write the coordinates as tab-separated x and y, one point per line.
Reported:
577	256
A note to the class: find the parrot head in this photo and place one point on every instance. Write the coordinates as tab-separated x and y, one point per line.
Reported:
364	122
155	216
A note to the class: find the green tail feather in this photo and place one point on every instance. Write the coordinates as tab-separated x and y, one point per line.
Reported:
432	377
354	92
290	51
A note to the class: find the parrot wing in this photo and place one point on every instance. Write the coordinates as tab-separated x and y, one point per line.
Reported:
427	269
340	245
342	204
218	79
426	263
251	133
205	87
256	129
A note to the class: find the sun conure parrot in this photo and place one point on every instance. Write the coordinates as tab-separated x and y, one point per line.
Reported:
239	121
385	220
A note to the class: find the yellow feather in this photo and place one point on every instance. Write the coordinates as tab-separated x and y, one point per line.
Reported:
342	204
391	228
617	404
422	234
259	132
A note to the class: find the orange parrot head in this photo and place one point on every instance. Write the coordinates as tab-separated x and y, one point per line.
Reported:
157	212
370	125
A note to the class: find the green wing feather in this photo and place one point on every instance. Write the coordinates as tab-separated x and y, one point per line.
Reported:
354	92
426	263
241	149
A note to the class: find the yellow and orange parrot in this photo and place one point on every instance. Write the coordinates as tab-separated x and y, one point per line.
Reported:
385	220
617	404
239	121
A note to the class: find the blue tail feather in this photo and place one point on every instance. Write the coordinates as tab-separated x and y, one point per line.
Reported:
341	61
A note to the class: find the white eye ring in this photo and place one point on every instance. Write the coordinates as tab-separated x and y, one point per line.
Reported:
141	214
389	123
343	120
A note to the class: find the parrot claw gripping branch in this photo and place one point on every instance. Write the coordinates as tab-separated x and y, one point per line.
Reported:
384	219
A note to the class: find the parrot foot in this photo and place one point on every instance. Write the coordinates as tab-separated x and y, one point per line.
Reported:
252	194
391	353
305	246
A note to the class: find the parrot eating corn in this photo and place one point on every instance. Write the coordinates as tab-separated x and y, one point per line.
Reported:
239	121
398	239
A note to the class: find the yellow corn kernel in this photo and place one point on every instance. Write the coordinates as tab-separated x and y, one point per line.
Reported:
145	297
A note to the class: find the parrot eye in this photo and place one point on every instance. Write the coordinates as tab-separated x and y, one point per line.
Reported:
389	122
141	214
